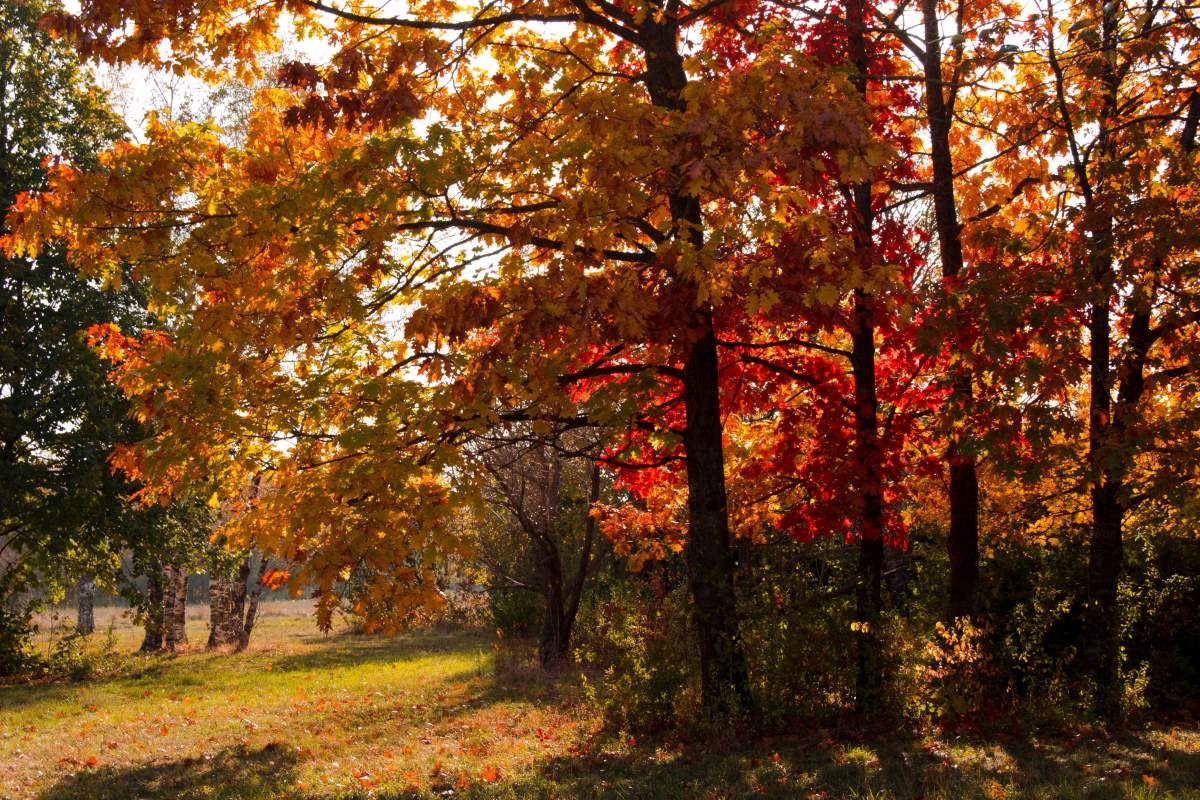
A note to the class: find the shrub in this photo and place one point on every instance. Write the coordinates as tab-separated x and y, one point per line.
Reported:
514	612
785	610
17	655
634	632
953	673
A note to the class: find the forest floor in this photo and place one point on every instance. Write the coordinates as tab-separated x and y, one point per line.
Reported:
303	715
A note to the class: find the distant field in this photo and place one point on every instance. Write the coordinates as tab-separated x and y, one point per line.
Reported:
306	716
298	612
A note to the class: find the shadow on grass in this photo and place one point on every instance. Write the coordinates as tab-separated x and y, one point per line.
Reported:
777	769
875	768
848	764
870	770
230	774
1100	769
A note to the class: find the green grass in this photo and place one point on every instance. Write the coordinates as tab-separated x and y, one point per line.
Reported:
307	716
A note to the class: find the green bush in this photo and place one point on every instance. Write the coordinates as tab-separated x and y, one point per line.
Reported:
787	606
1159	595
17	655
633	631
514	612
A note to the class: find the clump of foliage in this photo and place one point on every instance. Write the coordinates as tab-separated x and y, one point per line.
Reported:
513	612
634	632
17	655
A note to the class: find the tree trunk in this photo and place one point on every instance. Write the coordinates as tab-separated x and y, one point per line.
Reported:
250	595
585	562
1104	569
216	609
868	452
224	625
962	542
552	642
1104	558
724	683
152	642
175	608
231	617
237	601
85	603
1106	457
1109	506
1101	644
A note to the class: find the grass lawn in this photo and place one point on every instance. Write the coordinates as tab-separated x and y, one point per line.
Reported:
302	715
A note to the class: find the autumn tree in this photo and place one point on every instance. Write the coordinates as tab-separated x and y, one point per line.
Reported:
1116	80
595	278
1098	144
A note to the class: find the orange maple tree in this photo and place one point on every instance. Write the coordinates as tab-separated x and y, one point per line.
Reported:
463	215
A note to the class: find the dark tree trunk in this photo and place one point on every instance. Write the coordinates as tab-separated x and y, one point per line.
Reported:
552	643
710	558
1104	559
585	560
541	522
152	642
724	682
868	452
869	593
1107	460
562	601
962	542
1109	505
85	603
1109	453
1104	570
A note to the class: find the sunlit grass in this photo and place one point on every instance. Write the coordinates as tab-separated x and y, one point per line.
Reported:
302	715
